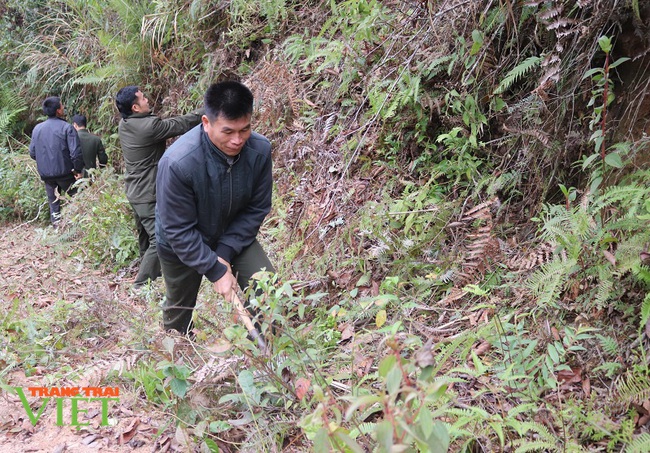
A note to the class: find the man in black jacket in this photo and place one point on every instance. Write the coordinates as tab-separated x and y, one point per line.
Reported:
214	191
56	148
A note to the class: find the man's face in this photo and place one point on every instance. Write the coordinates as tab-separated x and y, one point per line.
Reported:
60	112
141	104
228	135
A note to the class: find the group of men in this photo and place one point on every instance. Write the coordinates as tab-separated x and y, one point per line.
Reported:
198	205
63	152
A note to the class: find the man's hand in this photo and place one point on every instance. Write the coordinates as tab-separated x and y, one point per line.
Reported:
226	285
225	263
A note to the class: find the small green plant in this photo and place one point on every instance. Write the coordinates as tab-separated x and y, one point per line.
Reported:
602	95
176	377
461	144
150	380
405	408
532	367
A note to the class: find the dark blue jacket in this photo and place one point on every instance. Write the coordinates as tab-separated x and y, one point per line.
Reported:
207	207
56	147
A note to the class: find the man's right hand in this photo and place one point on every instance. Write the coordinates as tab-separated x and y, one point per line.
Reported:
226	285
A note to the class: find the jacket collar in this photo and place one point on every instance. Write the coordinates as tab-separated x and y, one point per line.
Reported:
138	115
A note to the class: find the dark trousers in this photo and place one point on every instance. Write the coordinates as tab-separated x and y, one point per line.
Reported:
53	189
145	215
183	284
143	237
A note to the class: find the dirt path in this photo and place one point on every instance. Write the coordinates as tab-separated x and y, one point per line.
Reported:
62	327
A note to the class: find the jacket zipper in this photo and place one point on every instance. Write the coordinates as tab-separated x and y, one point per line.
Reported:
230	191
230	165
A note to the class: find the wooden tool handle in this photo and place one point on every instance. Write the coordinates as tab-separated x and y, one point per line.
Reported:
246	319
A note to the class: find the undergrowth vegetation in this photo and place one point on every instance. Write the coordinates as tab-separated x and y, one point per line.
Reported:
460	221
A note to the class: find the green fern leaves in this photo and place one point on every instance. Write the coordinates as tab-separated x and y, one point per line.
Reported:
517	73
11	105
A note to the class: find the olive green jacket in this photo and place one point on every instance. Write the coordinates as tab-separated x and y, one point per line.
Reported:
92	149
143	138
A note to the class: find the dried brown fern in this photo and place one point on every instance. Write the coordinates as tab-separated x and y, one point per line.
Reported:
532	259
276	88
479	249
94	375
481	245
216	370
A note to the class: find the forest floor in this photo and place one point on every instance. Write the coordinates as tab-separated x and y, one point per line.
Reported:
61	317
67	325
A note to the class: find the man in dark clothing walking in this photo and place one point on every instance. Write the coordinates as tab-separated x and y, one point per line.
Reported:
214	191
92	147
143	138
55	147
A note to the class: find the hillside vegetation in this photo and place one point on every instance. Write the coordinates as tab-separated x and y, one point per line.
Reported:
461	223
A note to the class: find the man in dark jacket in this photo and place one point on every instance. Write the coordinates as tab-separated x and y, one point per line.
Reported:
92	147
143	138
56	149
214	191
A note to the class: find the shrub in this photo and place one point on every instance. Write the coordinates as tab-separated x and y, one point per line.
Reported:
22	194
100	220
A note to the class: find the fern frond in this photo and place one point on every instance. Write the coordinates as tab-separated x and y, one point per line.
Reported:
642	272
639	445
645	311
467	371
604	289
540	255
362	429
517	72
633	388
527	427
550	13
88	80
456	432
631	197
557	226
609	368
433	68
480	211
11	105
445	379
536	446
5	120
463	342
609	345
547	282
468	414
522	408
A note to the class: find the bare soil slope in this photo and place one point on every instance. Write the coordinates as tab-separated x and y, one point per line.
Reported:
38	279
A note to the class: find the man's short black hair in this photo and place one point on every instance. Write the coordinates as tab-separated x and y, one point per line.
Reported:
125	98
51	105
79	120
231	99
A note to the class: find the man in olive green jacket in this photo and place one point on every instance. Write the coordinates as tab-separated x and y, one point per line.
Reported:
143	137
92	147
